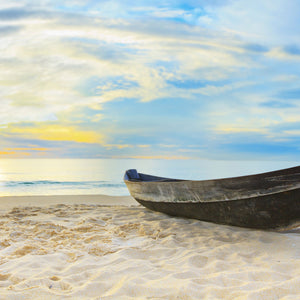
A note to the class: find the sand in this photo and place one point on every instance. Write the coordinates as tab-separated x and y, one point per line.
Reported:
101	247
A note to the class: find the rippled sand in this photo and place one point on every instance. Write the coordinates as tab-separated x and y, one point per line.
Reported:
92	251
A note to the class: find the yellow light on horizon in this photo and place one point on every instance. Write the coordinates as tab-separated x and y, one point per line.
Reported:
59	133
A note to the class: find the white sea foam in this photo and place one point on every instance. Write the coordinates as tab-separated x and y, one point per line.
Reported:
105	176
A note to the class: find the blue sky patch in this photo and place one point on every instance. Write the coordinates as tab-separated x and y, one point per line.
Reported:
289	94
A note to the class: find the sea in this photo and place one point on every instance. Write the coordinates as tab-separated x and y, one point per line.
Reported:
25	177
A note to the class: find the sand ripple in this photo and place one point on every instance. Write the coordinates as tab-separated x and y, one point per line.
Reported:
92	251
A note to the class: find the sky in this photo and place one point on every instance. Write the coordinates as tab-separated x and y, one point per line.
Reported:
205	79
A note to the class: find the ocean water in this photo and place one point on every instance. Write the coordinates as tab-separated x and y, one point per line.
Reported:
105	176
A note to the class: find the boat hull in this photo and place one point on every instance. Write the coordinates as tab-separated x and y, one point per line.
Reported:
264	201
276	211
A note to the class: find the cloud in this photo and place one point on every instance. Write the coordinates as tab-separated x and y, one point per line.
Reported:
16	13
21	152
257	21
52	132
168	157
26	149
112	75
9	29
280	53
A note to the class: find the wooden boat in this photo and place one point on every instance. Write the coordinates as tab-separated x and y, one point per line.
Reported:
266	201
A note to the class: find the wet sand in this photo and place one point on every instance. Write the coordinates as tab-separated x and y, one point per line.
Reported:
101	247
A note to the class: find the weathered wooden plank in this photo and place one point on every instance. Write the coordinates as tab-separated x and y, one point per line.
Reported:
266	200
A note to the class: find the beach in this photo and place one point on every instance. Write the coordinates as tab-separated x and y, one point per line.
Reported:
109	247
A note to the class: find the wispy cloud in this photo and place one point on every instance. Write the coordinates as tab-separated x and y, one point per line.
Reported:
112	76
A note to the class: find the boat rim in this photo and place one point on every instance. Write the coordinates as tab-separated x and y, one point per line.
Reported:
174	180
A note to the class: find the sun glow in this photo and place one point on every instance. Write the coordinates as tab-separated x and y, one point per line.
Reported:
59	133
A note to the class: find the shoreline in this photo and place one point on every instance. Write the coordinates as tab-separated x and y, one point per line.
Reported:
9	202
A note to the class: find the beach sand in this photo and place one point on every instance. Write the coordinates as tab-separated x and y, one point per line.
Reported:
101	247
